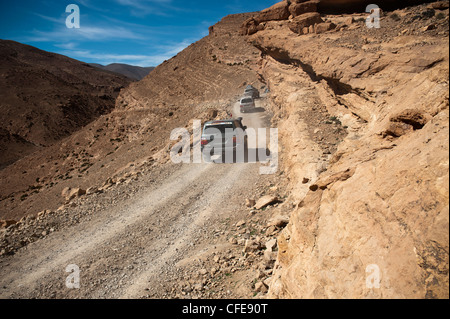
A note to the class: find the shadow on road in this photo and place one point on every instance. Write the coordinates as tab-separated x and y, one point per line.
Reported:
256	110
254	155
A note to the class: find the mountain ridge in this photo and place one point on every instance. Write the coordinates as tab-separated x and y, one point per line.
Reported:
48	96
131	71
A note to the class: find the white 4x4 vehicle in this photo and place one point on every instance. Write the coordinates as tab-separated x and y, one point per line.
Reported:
247	103
226	138
251	91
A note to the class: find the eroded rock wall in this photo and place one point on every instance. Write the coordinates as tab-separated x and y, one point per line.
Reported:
376	210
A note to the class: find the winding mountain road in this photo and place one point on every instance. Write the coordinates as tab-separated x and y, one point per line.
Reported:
125	247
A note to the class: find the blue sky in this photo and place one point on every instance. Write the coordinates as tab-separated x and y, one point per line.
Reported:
138	32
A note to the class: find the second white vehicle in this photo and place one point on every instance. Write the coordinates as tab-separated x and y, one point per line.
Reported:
247	103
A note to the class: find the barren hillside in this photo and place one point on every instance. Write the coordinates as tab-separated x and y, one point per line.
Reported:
46	97
210	70
131	71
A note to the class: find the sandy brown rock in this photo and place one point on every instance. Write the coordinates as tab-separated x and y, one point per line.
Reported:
417	119
251	26
377	203
396	129
265	201
440	5
303	21
7	222
279	11
250	202
324	27
300	8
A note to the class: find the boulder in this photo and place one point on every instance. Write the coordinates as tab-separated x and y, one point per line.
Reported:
250	202
439	5
261	287
108	183
279	11
271	244
324	27
212	113
75	192
251	246
297	9
71	193
251	26
269	258
298	1
92	190
240	223
397	129
415	118
327	180
405	122
265	201
65	192
349	21
278	221
305	20
428	27
6	223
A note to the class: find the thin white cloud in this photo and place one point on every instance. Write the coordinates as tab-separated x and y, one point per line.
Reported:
138	8
105	59
88	4
93	33
173	48
51	19
162	53
66	46
141	8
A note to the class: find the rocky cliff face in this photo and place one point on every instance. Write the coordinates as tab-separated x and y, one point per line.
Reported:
374	208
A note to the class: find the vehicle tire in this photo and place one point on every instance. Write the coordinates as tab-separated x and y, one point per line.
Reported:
206	157
246	150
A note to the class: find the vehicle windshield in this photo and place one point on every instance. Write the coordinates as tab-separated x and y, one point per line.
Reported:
246	101
209	129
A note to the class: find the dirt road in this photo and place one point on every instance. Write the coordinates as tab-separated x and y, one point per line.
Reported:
133	241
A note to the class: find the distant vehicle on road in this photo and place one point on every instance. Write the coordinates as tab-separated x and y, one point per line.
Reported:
247	103
224	135
250	90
